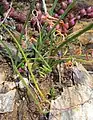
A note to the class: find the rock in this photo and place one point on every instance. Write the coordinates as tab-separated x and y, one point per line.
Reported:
75	103
12	49
7	86
7	101
2	77
22	85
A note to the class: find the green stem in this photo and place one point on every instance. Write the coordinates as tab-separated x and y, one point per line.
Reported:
41	57
24	83
28	64
28	89
53	7
70	38
62	17
32	4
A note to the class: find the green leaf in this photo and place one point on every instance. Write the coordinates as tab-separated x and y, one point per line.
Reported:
62	17
53	7
72	37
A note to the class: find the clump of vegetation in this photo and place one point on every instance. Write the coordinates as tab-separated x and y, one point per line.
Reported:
36	53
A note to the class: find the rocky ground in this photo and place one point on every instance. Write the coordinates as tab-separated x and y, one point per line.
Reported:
23	107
